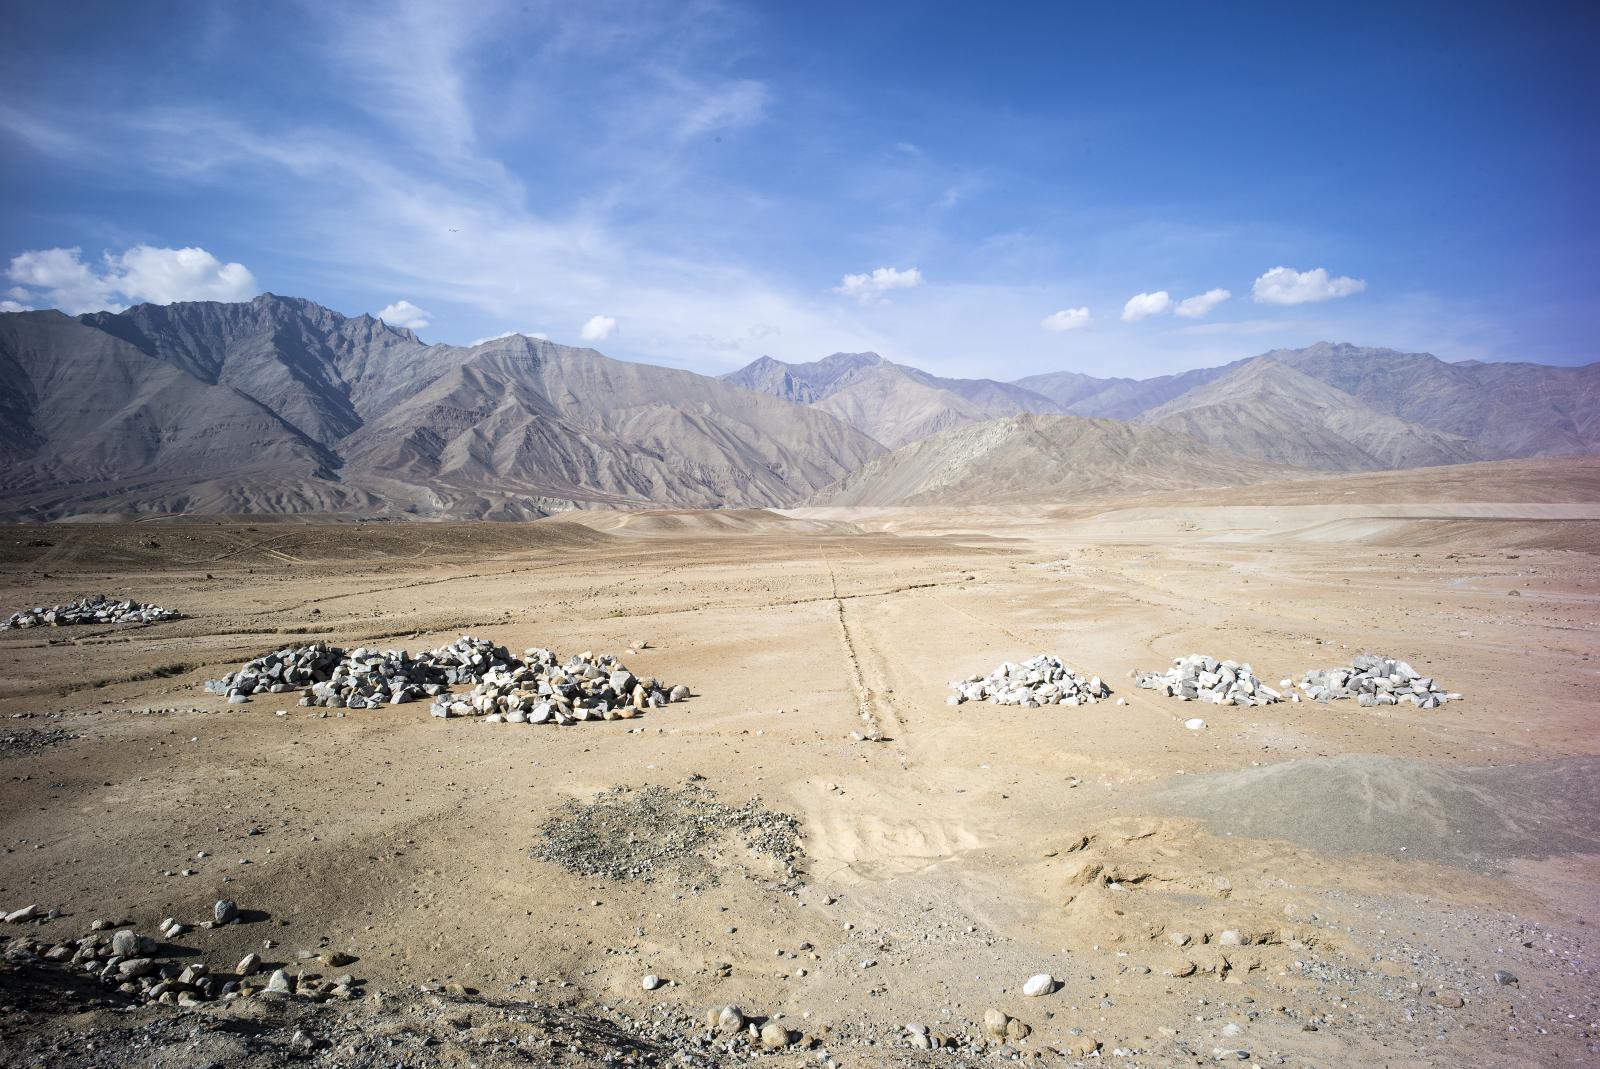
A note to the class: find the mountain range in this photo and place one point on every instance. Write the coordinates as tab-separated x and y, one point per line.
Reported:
279	405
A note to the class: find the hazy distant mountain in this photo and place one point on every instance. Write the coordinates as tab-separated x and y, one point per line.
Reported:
1514	409
1041	458
1274	413
280	405
1084	395
1511	409
891	403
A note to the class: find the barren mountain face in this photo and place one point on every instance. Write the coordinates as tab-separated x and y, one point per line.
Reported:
1036	457
280	405
891	403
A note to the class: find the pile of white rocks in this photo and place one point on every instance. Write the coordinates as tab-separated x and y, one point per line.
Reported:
540	690
1206	679
1041	680
535	688
90	609
1374	680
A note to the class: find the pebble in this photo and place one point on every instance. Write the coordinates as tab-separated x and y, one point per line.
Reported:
651	982
1040	984
226	911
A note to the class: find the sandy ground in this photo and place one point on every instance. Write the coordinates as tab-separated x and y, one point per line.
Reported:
1382	865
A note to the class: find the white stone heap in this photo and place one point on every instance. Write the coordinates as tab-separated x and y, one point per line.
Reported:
1206	679
1374	680
1041	680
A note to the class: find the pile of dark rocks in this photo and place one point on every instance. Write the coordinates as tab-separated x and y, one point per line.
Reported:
90	609
1042	680
1206	679
1373	680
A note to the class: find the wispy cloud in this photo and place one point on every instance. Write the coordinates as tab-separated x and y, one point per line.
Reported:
1200	306
1065	320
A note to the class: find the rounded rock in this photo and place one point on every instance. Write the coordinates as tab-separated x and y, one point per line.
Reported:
1039	984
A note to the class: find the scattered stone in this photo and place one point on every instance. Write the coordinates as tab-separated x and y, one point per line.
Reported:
26	743
1375	680
1201	678
639	834
90	609
652	982
774	1036
994	1024
1504	978
248	965
1194	723
26	913
727	1019
226	911
1039	681
1041	984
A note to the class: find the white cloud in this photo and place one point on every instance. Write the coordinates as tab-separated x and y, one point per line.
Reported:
739	104
1065	320
405	314
870	288
510	334
1198	307
13	306
142	274
1285	285
599	328
1141	305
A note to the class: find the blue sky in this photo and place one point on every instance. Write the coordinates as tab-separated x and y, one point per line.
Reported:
995	190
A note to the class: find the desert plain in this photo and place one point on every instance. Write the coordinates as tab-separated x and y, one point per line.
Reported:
1299	884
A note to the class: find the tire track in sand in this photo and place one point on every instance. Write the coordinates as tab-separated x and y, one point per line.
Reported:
873	709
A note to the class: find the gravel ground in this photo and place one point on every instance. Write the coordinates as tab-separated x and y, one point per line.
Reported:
654	831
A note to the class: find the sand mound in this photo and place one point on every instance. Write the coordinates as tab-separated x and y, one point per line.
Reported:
1363	803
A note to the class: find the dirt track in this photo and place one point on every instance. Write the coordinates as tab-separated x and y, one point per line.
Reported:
973	848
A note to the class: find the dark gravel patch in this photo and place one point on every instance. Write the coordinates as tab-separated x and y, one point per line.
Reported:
642	834
28	743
